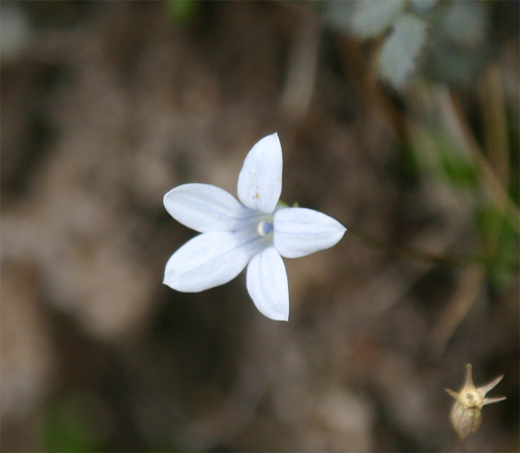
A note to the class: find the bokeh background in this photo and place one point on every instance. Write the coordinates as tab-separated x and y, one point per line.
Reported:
399	119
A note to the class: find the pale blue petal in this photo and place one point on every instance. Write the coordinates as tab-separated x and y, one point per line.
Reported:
299	231
260	180
209	260
267	284
204	208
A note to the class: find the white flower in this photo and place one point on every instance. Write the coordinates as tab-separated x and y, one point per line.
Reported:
255	232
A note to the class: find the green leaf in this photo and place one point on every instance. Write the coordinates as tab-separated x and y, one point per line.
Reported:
505	264
372	17
466	23
496	228
422	6
182	11
69	425
453	163
399	53
459	170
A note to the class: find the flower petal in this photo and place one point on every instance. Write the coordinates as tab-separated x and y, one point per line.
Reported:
204	208
299	231
267	284
260	180
209	260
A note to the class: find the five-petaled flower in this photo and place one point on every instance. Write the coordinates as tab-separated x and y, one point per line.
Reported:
255	232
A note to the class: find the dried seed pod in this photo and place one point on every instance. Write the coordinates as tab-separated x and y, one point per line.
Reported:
466	413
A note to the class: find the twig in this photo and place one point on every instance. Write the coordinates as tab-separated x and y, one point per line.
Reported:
301	71
470	284
496	140
406	252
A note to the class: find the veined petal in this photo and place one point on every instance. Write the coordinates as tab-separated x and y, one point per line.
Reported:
299	231
209	260
267	284
260	180
204	208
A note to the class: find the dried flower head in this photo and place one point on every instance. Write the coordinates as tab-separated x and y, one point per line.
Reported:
466	413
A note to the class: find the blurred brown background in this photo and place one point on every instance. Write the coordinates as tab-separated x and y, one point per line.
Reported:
108	105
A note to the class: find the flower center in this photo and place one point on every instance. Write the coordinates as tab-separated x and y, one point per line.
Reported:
264	228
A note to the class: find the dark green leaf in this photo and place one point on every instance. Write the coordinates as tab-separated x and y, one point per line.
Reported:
372	17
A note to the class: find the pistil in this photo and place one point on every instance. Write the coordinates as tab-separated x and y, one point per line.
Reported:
264	228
